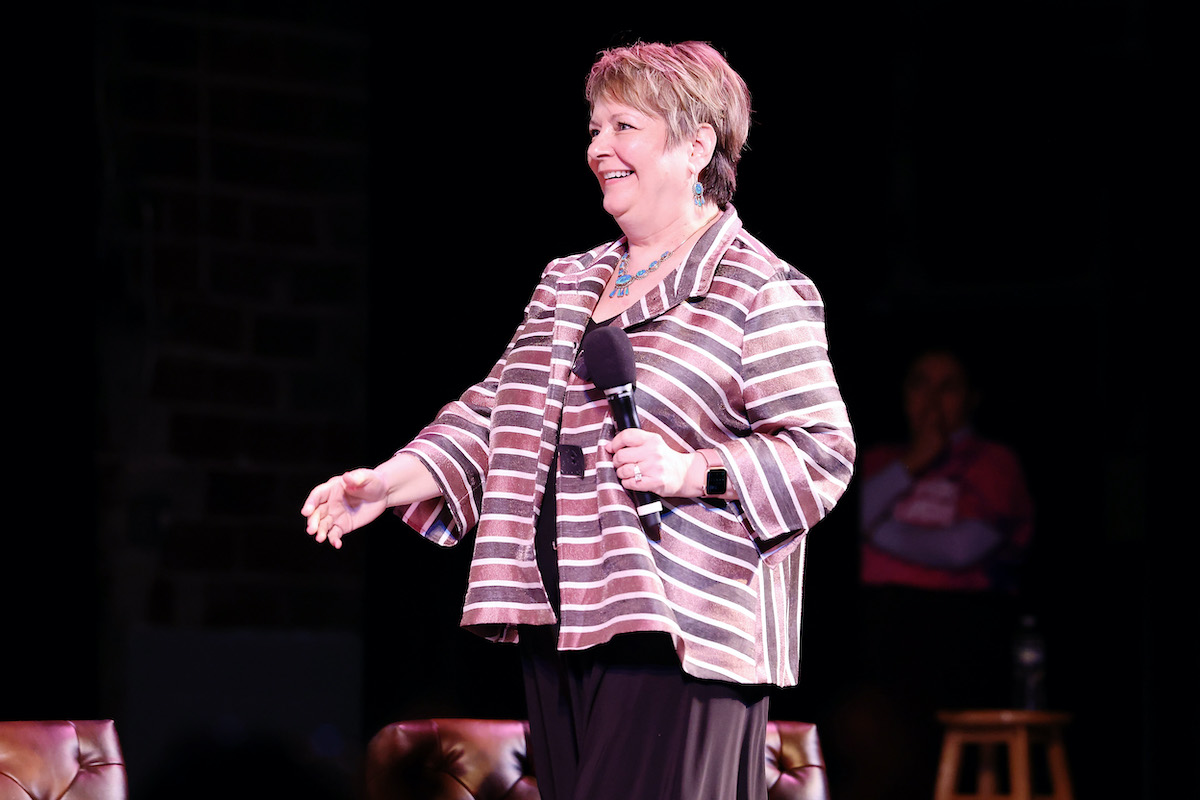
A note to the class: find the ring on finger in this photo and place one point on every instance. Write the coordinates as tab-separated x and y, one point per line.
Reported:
637	472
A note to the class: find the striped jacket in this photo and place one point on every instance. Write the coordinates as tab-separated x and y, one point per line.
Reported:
731	354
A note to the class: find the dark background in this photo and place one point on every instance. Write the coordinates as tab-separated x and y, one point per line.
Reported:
979	173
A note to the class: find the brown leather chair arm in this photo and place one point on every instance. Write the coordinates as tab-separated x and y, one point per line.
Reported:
444	759
795	765
61	760
473	759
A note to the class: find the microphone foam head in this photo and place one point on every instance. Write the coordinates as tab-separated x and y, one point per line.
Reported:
608	355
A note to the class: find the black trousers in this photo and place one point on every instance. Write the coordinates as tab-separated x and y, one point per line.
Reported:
622	721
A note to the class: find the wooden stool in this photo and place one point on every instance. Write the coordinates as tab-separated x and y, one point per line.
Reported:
1018	731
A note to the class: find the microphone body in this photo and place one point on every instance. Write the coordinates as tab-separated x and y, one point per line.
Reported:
624	411
608	356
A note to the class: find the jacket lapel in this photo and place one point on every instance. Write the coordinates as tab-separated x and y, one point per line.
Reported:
694	278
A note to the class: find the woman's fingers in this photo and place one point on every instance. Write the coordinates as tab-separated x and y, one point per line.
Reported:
631	472
634	446
335	537
632	437
322	506
644	461
344	503
318	495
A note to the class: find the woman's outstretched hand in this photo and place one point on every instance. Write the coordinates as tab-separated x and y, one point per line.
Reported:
345	503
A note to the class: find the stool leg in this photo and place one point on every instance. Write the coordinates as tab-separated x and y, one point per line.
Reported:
1018	765
988	752
1056	754
948	766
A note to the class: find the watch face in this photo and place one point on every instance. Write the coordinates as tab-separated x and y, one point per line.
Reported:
715	482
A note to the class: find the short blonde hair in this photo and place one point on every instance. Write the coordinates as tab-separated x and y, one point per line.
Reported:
686	85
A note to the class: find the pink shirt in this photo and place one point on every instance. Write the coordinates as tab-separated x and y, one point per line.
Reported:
976	488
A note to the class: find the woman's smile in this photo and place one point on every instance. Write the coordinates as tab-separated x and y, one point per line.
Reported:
644	178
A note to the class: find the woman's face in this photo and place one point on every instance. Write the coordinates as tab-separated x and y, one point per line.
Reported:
936	393
645	181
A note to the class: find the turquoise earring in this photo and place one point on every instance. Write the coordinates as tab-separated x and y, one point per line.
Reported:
698	190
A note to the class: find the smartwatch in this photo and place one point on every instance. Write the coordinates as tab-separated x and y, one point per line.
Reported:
716	480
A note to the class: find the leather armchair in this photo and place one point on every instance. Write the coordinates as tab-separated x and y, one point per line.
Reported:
475	759
61	760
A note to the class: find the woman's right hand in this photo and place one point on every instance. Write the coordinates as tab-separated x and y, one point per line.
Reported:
345	503
929	439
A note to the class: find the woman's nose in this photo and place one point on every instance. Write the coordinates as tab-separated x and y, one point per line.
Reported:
598	146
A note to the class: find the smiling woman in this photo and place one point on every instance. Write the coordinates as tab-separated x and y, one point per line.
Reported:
632	159
667	130
654	80
647	659
645	180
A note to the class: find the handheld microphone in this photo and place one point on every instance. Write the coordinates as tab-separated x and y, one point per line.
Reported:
608	356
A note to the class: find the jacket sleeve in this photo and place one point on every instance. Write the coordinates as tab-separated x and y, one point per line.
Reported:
455	446
798	459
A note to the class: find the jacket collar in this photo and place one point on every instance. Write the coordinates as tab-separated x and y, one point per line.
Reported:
693	279
579	291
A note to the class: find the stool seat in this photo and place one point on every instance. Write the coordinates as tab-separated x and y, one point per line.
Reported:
1016	730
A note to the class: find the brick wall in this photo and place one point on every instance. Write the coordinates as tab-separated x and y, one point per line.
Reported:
230	332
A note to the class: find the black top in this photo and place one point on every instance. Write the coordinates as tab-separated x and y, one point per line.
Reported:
546	536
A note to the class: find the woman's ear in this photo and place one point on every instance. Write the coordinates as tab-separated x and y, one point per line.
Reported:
704	143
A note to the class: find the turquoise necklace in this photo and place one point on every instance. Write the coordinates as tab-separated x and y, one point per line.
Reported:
624	281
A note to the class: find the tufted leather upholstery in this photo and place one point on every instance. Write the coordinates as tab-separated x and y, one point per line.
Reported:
795	765
61	760
475	759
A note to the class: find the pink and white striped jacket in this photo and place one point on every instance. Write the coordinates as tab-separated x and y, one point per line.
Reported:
731	354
